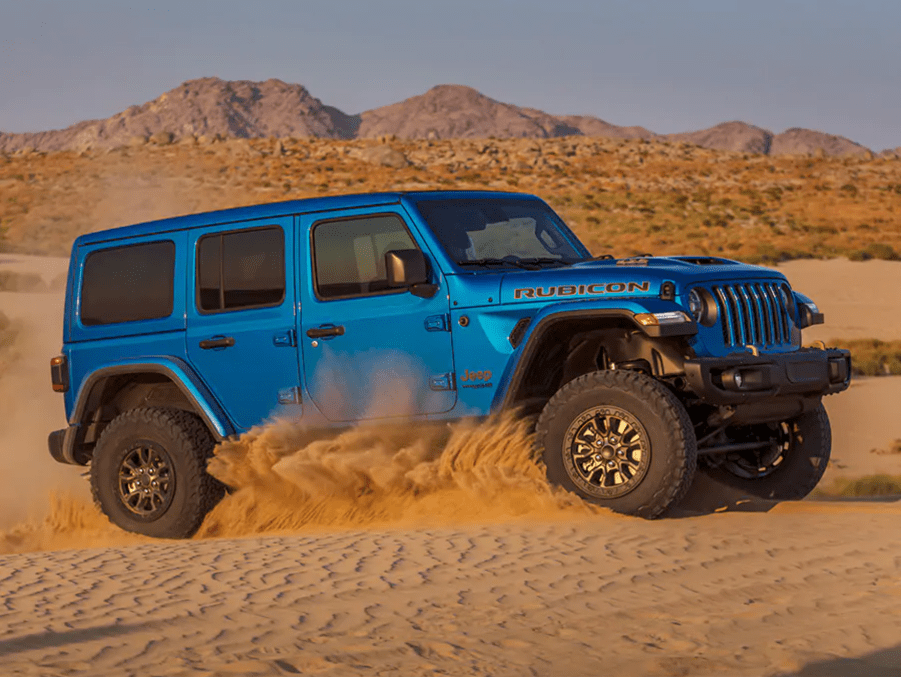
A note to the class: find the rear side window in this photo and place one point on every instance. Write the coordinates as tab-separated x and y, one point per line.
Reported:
128	284
241	269
350	254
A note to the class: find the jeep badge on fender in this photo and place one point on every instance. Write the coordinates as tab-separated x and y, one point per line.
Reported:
183	332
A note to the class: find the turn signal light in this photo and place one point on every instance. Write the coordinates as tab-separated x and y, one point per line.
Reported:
657	319
59	373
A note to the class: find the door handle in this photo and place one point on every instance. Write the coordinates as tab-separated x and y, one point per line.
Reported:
219	342
325	331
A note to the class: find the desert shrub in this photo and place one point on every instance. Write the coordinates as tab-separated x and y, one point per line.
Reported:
880	250
858	487
874	250
872	357
765	253
823	229
774	193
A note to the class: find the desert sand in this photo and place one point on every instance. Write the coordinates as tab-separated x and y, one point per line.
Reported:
792	591
460	563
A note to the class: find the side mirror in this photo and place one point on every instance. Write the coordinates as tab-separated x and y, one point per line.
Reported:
409	268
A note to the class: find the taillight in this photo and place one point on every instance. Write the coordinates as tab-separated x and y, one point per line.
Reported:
59	373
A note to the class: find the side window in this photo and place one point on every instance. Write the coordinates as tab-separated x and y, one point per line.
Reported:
128	284
241	269
349	254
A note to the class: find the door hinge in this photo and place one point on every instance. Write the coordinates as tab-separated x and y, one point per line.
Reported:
442	382
290	396
437	323
285	339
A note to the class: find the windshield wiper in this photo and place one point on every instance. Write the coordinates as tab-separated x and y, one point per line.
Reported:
531	263
542	260
497	262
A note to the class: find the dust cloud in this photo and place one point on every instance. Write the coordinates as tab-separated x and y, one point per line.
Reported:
401	474
284	479
39	497
29	409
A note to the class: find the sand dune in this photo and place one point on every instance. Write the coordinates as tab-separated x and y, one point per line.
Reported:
725	594
860	298
459	562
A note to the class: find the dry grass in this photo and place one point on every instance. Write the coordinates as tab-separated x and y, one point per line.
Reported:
868	485
861	487
872	357
621	197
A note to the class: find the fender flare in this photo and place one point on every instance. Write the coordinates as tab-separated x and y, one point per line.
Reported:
177	371
523	355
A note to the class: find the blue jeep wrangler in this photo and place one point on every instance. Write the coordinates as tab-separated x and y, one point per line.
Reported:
432	306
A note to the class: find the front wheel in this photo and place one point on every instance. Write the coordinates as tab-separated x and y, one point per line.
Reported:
789	467
148	472
619	439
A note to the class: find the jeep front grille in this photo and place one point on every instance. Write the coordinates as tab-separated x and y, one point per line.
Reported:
753	313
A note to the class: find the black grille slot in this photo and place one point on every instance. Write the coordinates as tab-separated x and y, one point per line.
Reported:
752	313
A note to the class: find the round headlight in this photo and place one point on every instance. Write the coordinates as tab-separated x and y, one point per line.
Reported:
696	305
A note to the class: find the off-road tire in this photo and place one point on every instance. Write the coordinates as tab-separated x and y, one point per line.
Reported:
185	442
657	413
802	465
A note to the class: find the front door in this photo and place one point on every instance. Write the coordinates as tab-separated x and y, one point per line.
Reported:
241	336
370	351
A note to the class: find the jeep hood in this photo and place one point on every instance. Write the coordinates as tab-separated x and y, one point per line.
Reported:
625	277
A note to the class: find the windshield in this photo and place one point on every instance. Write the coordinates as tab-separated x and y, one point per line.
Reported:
498	231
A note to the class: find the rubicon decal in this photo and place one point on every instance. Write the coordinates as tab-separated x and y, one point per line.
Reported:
581	289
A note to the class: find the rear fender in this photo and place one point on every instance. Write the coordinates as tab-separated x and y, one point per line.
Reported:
177	371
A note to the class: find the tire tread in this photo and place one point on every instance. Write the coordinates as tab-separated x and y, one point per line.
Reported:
205	491
661	399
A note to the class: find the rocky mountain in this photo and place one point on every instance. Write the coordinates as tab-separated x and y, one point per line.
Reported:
455	111
736	136
204	107
798	141
210	107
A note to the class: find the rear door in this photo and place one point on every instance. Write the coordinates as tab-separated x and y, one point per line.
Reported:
370	351
241	316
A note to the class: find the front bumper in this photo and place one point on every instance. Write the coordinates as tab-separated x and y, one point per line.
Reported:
741	378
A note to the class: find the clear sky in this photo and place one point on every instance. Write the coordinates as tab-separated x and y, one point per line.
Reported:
668	65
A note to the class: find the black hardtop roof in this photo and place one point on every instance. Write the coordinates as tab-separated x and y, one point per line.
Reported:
274	209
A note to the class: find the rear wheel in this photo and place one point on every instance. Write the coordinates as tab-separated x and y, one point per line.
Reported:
148	472
789	467
619	439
